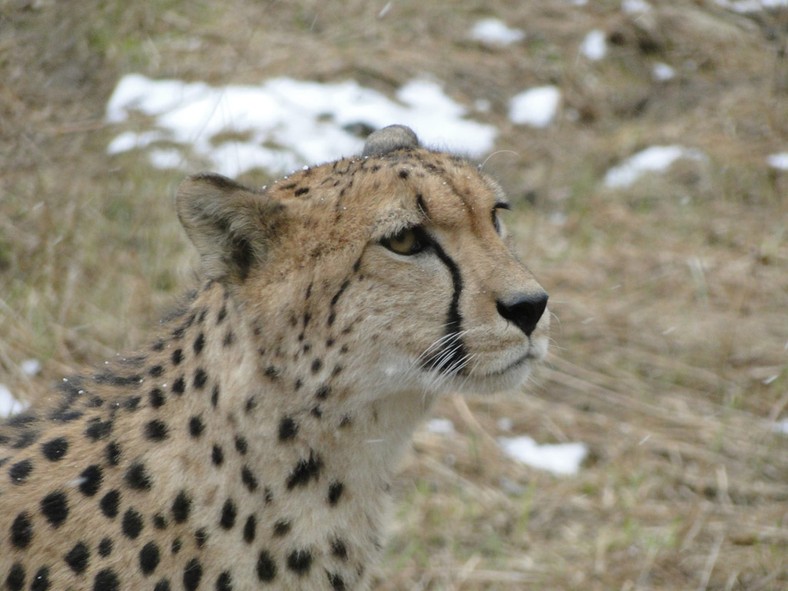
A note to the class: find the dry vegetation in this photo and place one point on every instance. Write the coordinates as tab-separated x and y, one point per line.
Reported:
670	354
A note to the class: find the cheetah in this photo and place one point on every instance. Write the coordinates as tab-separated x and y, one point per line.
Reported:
252	443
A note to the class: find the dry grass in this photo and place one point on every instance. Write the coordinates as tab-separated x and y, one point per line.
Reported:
670	298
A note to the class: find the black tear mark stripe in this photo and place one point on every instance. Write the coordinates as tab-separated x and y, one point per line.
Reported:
451	355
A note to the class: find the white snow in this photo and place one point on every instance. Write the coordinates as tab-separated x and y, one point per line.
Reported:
563	459
653	159
30	367
594	45
662	72
440	426
8	404
282	124
778	160
495	32
781	427
744	6
635	6
536	107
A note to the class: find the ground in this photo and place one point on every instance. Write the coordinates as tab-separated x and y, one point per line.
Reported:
669	346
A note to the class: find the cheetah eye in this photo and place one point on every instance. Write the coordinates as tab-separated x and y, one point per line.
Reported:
406	242
495	219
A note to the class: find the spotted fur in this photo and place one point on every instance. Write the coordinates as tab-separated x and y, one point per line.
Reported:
252	443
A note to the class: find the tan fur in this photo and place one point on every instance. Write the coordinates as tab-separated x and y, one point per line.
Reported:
283	392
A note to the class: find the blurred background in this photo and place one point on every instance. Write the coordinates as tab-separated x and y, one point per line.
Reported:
644	146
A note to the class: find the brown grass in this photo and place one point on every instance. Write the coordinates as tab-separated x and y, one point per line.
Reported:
670	298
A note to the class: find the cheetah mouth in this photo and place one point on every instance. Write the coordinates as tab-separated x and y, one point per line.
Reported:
528	357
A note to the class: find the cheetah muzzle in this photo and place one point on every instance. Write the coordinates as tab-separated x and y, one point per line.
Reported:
252	443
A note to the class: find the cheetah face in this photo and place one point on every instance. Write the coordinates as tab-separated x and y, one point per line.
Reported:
391	271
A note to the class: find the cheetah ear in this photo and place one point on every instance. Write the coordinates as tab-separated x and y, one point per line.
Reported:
389	139
231	225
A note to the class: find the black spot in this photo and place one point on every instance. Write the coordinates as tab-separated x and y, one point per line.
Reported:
159	521
250	528
163	585
179	386
105	547
40	580
222	315
299	561
15	581
176	546
192	574
282	528
113	453
288	429
229	338
339	549
98	429
241	445
266	567
90	480
316	365
55	449
304	471
335	491
137	477
199	343
224	582
149	558
217	455
54	506
116	380
268	495
339	292
215	396
156	398
19	472
156	430
177	356
301	191
158	345
196	427
132	402
21	530
132	524
248	479
106	580
201	537
403	174
181	507
345	422
156	371
200	377
78	557
323	392
229	512
251	404
272	372
317	412
109	504
337	583
65	414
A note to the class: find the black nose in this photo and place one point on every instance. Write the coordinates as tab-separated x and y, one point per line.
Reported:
524	310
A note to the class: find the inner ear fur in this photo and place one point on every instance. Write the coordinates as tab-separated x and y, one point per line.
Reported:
231	226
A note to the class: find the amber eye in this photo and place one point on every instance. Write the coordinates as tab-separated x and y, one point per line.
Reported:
406	242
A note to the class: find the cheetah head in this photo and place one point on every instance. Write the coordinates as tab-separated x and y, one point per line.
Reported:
383	273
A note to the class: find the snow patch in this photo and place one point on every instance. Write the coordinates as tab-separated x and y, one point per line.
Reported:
653	159
778	161
594	46
662	72
563	459
440	426
282	124
495	32
8	404
536	107
781	427
745	6
30	367
635	6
